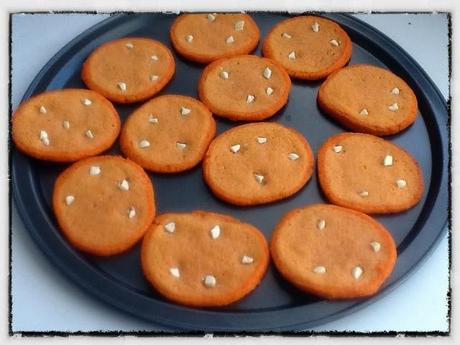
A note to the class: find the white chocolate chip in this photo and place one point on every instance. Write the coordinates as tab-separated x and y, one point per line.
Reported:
69	199
170	227
123	185
364	194
129	45
42	109
89	134
395	91
375	246
319	270
181	146
321	224
293	156
334	43
267	73
209	281
230	39
185	111
94	170
239	25
250	99
44	138
269	91
153	119
259	178
211	17
154	77
247	260
235	148
401	183
261	140
122	86
189	38
131	212
175	272
357	272
86	101
393	107
154	58
315	27
144	144
286	35
364	112
66	124
337	148
388	161
224	74
292	55
215	232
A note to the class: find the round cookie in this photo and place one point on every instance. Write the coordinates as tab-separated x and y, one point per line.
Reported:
168	133
104	204
244	88
257	163
308	47
368	99
228	260
65	125
368	174
206	37
129	70
333	252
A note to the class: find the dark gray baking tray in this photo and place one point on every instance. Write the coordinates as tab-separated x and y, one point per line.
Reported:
274	305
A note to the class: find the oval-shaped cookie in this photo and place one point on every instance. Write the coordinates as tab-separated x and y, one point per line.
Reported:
257	163
308	47
104	204
65	125
128	70
244	88
368	99
333	252
206	37
368	174
228	260
168	134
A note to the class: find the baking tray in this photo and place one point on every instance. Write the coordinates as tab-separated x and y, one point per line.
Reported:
275	305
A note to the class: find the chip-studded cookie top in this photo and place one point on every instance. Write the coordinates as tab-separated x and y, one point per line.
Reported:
169	133
206	37
203	259
245	87
333	252
129	69
369	174
257	163
308	47
65	125
368	99
104	204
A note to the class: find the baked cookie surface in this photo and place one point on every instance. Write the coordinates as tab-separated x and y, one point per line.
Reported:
128	70
168	134
244	87
65	125
333	252
308	47
368	99
206	37
257	163
103	204
368	174
203	259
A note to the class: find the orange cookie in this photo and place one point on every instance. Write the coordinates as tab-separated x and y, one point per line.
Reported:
244	88
203	259
129	69
168	133
333	252
368	174
65	125
257	163
206	37
368	99
308	47
104	204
